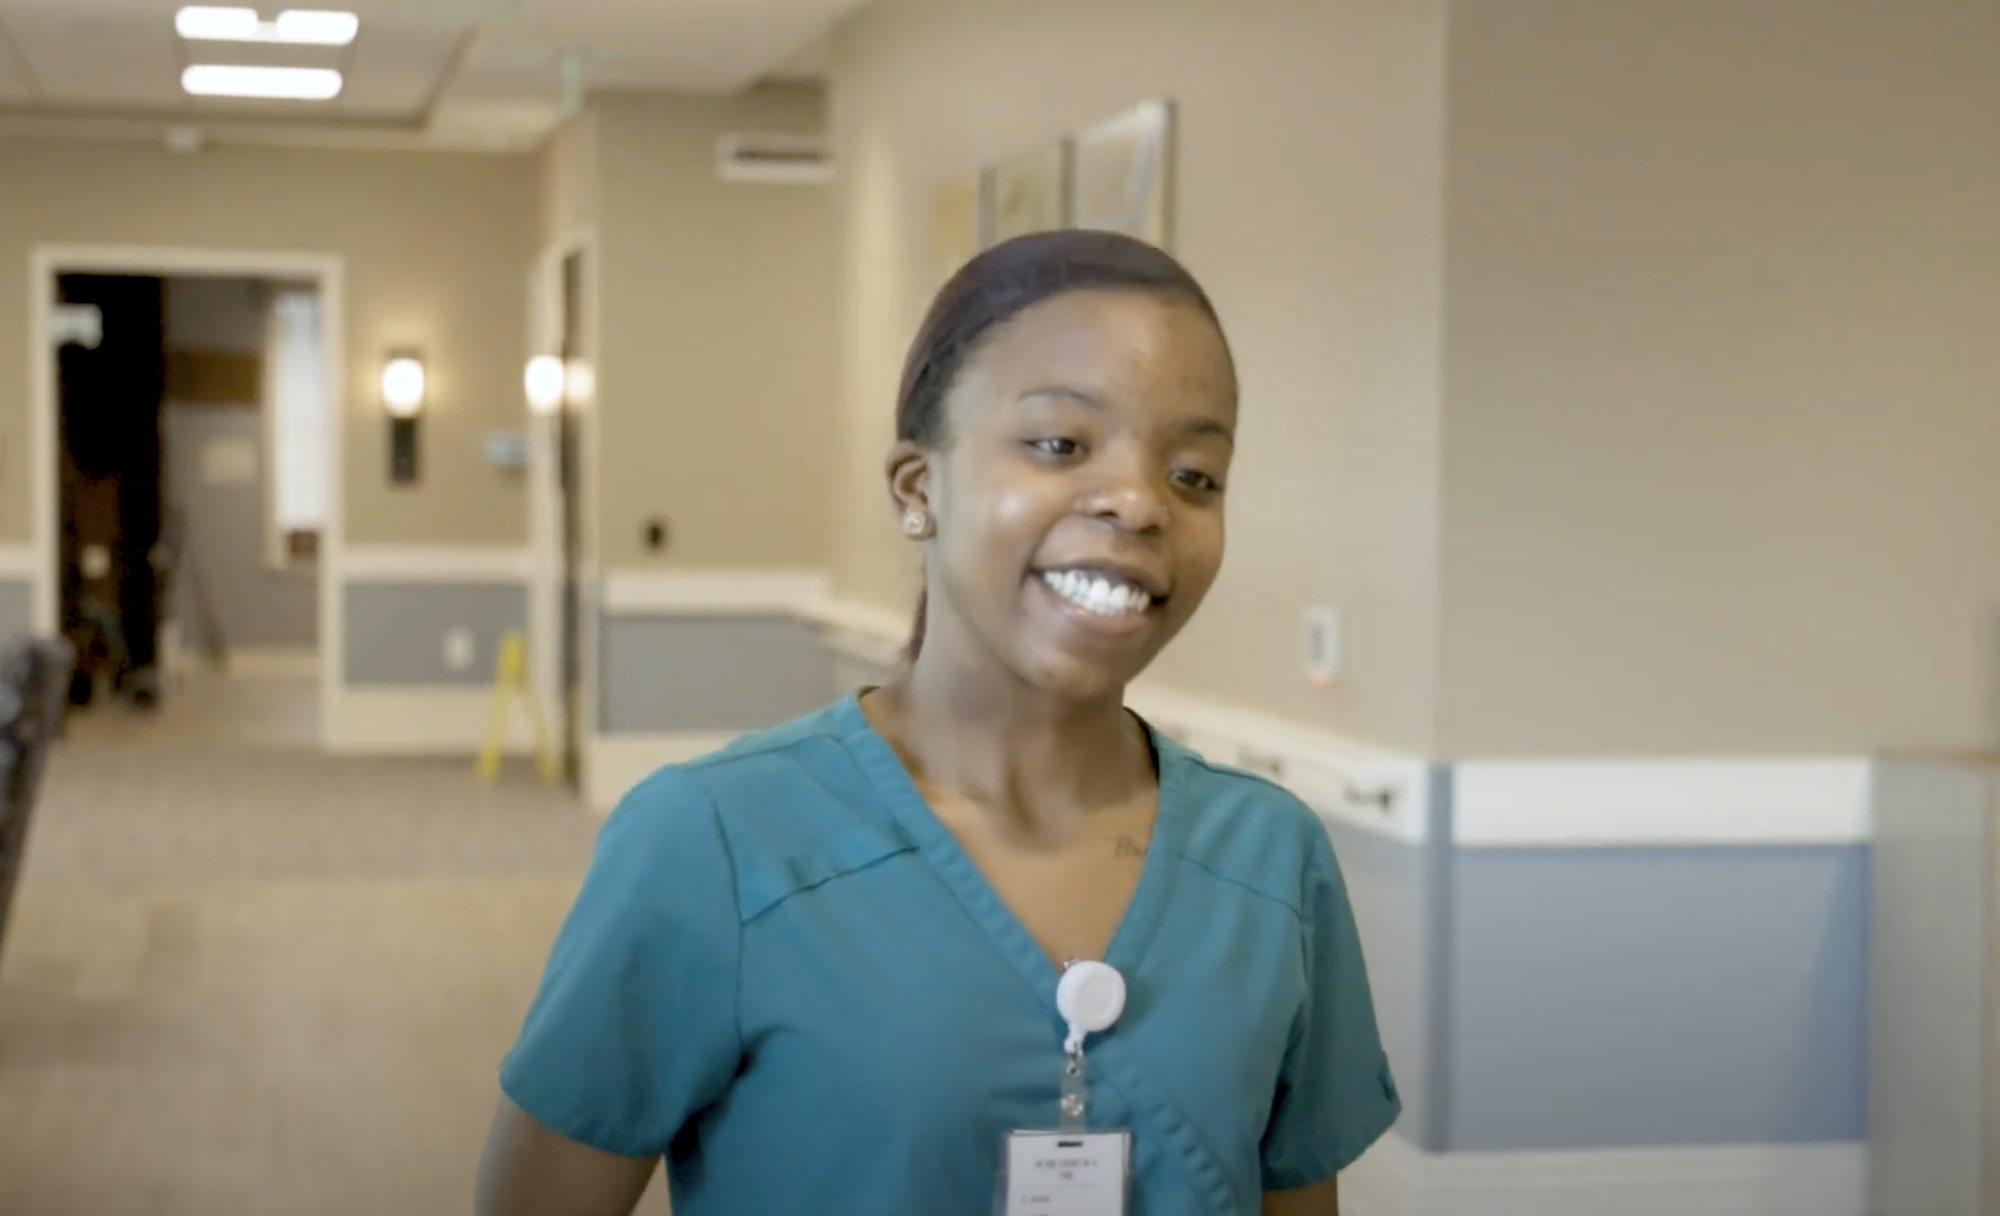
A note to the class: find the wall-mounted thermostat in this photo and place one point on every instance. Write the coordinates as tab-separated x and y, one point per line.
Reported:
507	449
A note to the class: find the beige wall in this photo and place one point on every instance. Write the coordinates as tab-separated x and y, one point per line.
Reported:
715	353
435	247
1723	441
570	179
1310	197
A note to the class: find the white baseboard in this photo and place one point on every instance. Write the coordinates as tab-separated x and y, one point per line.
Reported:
1396	1179
1655	803
435	564
1386	1181
613	764
273	663
417	721
20	563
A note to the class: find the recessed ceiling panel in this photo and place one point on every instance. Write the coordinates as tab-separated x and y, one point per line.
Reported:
83	58
393	69
124	55
17	87
510	96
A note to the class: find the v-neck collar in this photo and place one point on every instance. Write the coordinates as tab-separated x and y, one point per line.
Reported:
1010	937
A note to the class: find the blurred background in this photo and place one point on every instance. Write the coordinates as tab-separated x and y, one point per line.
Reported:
421	418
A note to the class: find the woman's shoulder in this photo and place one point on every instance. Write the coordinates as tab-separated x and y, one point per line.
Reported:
782	801
1250	830
806	756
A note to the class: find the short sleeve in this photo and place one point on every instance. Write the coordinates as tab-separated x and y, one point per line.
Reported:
1336	1095
633	1029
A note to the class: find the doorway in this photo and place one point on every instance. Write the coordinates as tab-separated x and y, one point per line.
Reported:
569	512
110	390
244	427
110	559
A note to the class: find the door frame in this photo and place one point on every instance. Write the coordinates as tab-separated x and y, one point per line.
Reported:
545	291
46	263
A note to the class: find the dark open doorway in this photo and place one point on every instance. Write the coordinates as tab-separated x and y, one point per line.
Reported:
109	443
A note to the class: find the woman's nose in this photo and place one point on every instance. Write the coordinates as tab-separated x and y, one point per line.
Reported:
1133	501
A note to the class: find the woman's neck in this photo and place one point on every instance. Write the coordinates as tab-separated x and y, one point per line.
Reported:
1036	762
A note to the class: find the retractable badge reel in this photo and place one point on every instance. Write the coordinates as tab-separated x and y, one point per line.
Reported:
1073	1171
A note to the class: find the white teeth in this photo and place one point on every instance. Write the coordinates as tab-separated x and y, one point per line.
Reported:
1096	594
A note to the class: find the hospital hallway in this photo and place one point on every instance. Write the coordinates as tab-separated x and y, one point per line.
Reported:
243	978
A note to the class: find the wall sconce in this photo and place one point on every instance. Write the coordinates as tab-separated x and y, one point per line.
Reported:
545	384
579	384
403	398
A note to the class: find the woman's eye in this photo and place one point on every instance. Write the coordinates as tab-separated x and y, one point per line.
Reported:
1056	447
1193	479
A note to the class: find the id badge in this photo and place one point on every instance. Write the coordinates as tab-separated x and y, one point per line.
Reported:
1065	1173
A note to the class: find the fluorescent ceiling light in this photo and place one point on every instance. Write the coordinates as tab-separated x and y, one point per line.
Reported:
308	27
316	28
218	24
290	84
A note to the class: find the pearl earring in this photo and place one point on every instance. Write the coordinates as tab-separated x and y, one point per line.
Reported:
916	523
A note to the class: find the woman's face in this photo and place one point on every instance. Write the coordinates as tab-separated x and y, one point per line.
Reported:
1078	498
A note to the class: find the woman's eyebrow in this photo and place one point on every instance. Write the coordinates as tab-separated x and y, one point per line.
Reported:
1198	426
1210	428
1067	392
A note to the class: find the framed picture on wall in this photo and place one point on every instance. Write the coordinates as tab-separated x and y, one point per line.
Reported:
1122	174
957	226
1025	193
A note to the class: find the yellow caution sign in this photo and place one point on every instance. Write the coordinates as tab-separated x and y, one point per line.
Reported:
510	683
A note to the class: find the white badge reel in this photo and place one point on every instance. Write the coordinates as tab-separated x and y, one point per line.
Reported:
1073	1171
1090	996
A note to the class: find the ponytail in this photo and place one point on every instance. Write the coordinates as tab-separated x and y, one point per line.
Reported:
916	643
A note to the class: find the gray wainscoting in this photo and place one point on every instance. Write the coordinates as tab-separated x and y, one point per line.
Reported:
17	609
395	633
1389	884
675	673
1932	1090
1603	998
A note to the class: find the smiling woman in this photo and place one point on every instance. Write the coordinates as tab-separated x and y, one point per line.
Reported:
835	967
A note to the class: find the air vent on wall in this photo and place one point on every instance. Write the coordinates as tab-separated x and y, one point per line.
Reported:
773	160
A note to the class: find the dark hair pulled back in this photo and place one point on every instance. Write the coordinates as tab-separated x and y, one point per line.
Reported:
998	285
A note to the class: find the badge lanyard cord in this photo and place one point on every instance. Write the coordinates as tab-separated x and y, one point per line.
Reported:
1090	998
1075	1091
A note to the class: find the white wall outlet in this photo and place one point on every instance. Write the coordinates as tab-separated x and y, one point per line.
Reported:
459	649
1322	646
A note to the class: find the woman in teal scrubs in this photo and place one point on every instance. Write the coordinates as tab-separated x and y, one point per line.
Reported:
817	972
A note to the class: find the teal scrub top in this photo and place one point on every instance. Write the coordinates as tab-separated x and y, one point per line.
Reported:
783	974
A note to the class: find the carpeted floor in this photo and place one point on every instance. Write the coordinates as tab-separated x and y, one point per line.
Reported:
243	979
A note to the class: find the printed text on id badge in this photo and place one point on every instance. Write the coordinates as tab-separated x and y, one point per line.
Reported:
1067	1173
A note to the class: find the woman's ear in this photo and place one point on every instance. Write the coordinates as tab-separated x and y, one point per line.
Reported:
909	470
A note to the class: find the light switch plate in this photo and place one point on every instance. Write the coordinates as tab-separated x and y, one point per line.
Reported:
1323	649
459	649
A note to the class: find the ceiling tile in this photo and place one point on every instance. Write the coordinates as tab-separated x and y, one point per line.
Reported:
394	69
86	58
124	54
16	87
